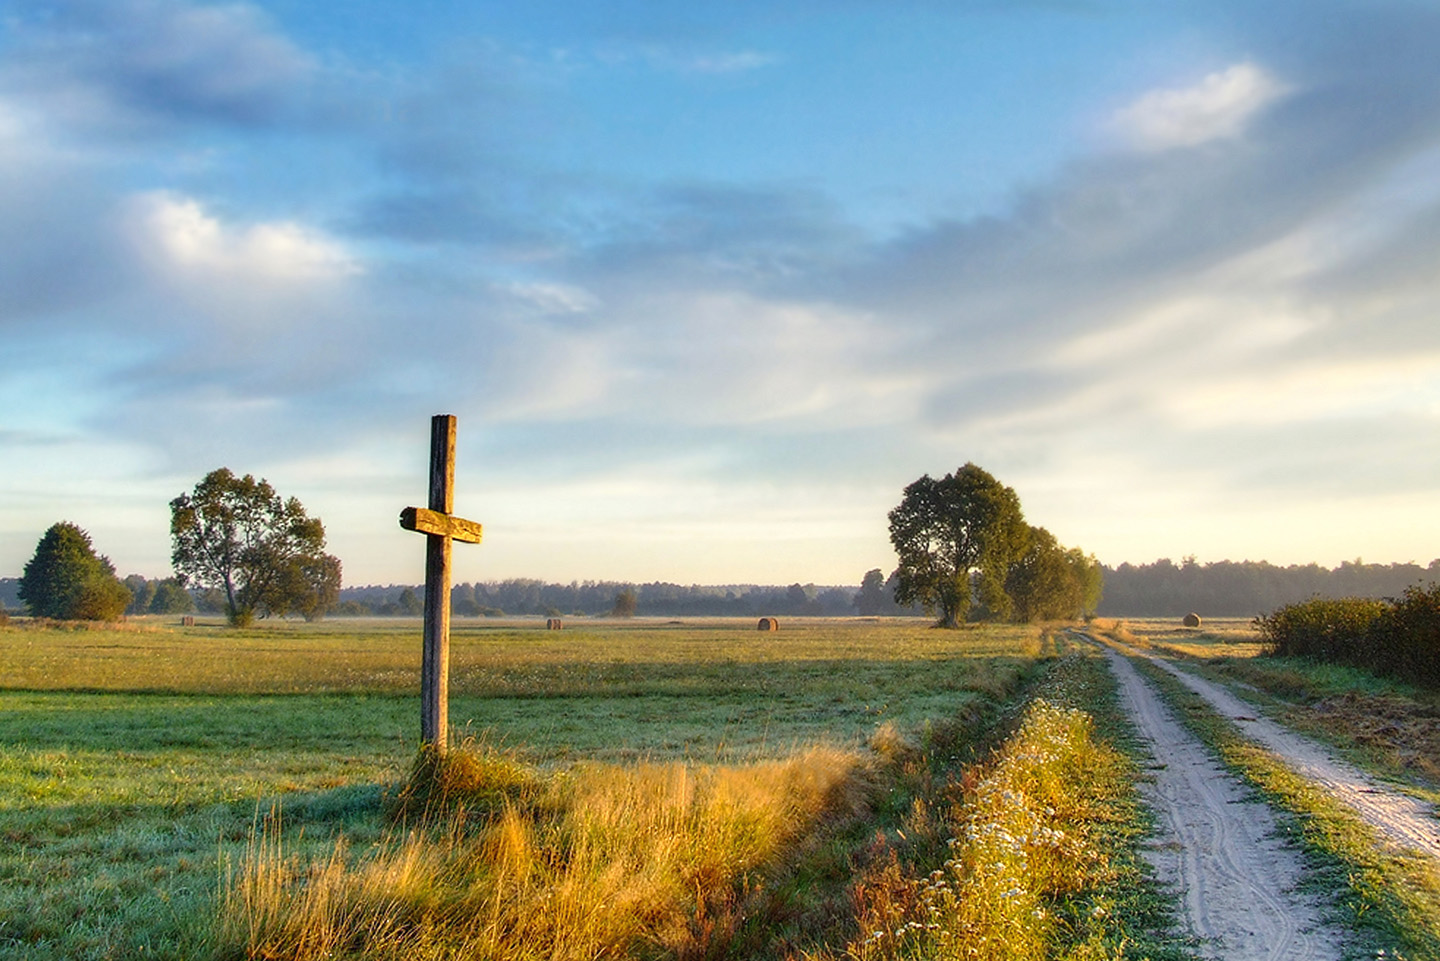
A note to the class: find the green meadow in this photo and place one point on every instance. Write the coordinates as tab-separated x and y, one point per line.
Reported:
136	762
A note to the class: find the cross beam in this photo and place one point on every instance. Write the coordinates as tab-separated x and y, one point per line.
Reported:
440	528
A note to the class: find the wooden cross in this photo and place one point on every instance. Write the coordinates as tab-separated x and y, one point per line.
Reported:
440	527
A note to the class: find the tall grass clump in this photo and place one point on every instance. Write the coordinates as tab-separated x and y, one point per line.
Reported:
1398	637
599	861
1021	848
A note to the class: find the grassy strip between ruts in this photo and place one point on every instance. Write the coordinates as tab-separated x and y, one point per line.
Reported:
1390	901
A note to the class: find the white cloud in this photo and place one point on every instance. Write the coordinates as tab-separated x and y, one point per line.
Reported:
730	62
1218	107
724	357
191	240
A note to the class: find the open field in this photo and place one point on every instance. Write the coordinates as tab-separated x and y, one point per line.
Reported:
133	761
213	794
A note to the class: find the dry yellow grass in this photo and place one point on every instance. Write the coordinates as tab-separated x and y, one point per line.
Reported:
598	862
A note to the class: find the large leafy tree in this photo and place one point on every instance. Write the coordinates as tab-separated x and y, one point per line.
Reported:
1050	582
67	580
237	535
956	538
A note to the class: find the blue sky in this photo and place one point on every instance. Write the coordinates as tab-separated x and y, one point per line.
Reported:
707	284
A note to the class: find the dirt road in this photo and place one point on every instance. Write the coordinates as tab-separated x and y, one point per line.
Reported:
1219	847
1406	821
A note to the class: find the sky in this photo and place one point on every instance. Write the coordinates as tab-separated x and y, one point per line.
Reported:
707	284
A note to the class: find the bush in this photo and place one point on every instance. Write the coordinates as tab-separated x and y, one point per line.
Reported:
1397	637
468	779
1405	640
1323	628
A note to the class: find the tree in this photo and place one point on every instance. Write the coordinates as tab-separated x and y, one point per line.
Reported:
409	603
313	586
956	538
171	598
1091	575
235	534
1049	583
68	581
142	593
871	598
625	603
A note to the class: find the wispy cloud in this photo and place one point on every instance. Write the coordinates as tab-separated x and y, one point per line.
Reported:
671	59
1219	106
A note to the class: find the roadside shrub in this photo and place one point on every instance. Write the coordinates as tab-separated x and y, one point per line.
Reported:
1397	637
1405	639
1322	628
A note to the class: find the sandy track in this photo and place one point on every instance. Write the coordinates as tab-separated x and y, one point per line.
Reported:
1405	821
1219	846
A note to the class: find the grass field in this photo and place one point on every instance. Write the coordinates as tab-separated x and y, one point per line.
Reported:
133	761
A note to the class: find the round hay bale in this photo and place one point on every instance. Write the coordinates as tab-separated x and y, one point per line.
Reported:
768	624
553	624
1191	620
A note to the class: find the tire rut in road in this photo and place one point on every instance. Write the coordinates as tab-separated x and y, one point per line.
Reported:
1220	847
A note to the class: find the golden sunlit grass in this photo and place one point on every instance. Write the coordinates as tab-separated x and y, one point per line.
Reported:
603	861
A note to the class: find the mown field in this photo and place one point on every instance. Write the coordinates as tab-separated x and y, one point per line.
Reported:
142	768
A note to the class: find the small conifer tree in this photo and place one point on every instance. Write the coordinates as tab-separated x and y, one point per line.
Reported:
67	580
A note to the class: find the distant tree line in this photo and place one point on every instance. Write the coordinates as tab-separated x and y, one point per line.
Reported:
1159	589
528	596
160	596
1246	588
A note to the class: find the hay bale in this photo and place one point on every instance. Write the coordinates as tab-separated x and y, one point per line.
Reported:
1191	620
768	624
553	624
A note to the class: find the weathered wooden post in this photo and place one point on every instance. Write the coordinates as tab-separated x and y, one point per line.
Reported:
440	528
